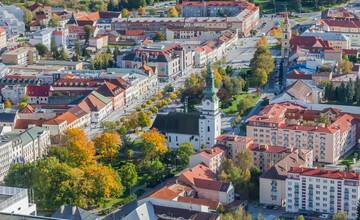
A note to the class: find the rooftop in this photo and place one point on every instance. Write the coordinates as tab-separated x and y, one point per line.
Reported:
323	173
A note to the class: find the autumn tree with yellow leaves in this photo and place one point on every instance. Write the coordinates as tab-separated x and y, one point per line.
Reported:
107	145
154	144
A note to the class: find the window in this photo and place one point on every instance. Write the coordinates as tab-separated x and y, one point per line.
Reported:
208	128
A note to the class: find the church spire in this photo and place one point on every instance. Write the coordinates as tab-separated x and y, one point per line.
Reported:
210	90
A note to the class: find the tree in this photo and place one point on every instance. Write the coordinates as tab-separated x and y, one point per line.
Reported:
357	90
350	92
183	153
107	145
262	42
41	49
54	21
243	106
239	214
340	216
81	150
142	11
63	54
89	31
54	49
7	103
345	66
244	160
113	5
154	144
25	99
173	12
300	217
129	176
159	36
27	16
102	60
143	120
124	13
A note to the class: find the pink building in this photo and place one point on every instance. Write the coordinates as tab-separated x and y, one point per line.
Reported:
212	157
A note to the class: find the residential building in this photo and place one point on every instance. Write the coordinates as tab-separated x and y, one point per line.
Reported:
99	106
3	38
38	94
43	36
234	144
335	40
16	201
20	56
170	60
140	84
28	146
8	119
14	93
322	191
212	157
11	19
60	37
115	93
266	156
98	42
330	133
338	13
272	182
200	128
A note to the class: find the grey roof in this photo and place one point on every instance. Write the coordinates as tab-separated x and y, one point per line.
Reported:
12	216
66	212
7	116
332	36
64	100
178	122
34	132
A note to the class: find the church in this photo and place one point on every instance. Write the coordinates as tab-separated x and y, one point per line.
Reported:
201	128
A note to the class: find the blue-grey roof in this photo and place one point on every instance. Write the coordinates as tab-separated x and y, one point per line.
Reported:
66	212
7	117
332	36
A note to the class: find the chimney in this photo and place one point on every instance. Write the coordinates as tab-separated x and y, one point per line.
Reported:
73	210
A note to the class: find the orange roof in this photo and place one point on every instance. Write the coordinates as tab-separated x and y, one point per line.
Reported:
331	174
92	16
2	30
200	171
212	152
164	193
211	204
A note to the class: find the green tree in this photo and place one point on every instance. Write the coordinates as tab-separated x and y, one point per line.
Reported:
244	160
300	217
54	21
63	54
243	106
159	36
183	153
144	120
129	175
102	60
42	49
54	50
340	216
345	66
89	31
350	92
27	17
124	13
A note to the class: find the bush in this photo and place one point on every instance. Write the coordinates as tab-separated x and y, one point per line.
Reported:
154	109
143	105
148	102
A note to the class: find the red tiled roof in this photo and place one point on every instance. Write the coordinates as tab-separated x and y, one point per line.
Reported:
268	148
211	204
341	23
308	42
211	152
24	123
28	109
235	138
331	174
134	32
211	184
199	171
92	16
298	75
2	30
164	193
38	91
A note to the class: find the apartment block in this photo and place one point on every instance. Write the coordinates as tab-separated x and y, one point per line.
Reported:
20	56
272	182
42	37
323	191
329	133
212	157
234	144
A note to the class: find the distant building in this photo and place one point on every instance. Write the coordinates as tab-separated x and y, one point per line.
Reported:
235	144
336	40
322	191
13	93
11	18
212	157
43	36
98	42
3	38
20	56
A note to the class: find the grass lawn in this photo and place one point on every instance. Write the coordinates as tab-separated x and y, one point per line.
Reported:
349	159
253	97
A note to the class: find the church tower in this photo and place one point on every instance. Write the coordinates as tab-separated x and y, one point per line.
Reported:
285	52
210	118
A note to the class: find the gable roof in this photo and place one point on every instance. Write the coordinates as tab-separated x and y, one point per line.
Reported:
300	90
200	171
178	122
38	91
298	75
74	213
214	185
211	204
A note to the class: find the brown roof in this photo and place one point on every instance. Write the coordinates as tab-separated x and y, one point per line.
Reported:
298	75
199	171
214	185
300	90
164	193
211	204
331	174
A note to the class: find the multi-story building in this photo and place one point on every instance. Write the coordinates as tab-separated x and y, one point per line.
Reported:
272	182
13	93
60	37
212	157
335	40
266	156
98	42
20	56
235	144
28	146
329	133
16	201
43	36
322	191
11	18
3	39
170	60
38	94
